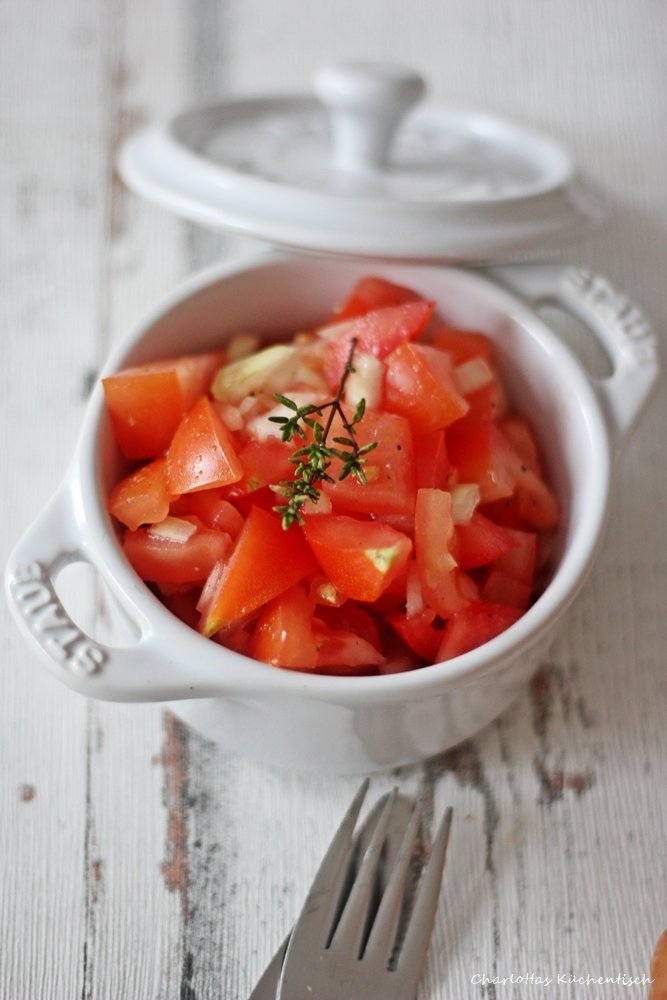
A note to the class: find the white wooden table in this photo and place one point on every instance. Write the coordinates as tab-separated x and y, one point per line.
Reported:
138	861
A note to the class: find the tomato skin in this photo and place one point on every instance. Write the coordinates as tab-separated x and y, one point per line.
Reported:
160	560
462	345
265	463
420	386
283	635
419	631
519	561
142	497
373	293
478	450
481	541
201	454
377	332
473	626
342	652
212	509
501	588
250	579
361	558
389	467
146	403
432	464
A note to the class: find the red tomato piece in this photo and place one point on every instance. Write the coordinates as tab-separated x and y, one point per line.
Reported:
213	509
473	626
432	464
361	558
442	583
378	333
340	651
501	588
183	604
350	617
389	470
265	463
462	345
520	435
162	560
283	635
146	403
142	497
422	632
373	293
420	386
202	454
265	562
479	452
489	402
481	541
519	561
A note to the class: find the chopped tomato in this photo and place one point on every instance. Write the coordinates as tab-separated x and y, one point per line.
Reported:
250	579
473	626
420	386
142	497
434	554
432	464
481	541
442	583
462	345
283	635
361	558
161	559
377	332
212	508
422	632
389	469
478	451
146	403
373	293
265	463
201	454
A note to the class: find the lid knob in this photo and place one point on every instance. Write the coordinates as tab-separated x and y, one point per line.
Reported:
365	101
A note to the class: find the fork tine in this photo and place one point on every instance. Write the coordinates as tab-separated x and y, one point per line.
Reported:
412	956
348	935
382	937
322	902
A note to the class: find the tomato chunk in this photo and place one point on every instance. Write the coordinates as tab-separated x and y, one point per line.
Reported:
378	333
389	470
373	293
361	558
160	559
420	386
201	454
473	626
481	541
283	635
462	345
443	585
142	497
146	403
265	562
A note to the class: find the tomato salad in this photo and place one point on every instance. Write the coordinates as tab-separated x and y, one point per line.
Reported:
432	549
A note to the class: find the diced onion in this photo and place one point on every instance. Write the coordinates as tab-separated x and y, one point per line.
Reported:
414	599
173	529
465	498
472	375
365	381
271	368
231	416
241	345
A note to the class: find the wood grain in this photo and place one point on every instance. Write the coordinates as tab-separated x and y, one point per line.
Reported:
141	861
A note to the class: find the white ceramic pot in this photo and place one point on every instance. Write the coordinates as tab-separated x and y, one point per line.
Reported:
342	724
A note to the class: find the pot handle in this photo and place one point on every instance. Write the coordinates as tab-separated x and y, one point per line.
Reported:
144	671
618	325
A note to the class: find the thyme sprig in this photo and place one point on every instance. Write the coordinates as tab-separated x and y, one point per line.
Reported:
314	459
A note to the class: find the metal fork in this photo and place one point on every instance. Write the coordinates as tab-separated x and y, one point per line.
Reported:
348	946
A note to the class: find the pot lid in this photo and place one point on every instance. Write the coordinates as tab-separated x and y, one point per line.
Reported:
358	170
